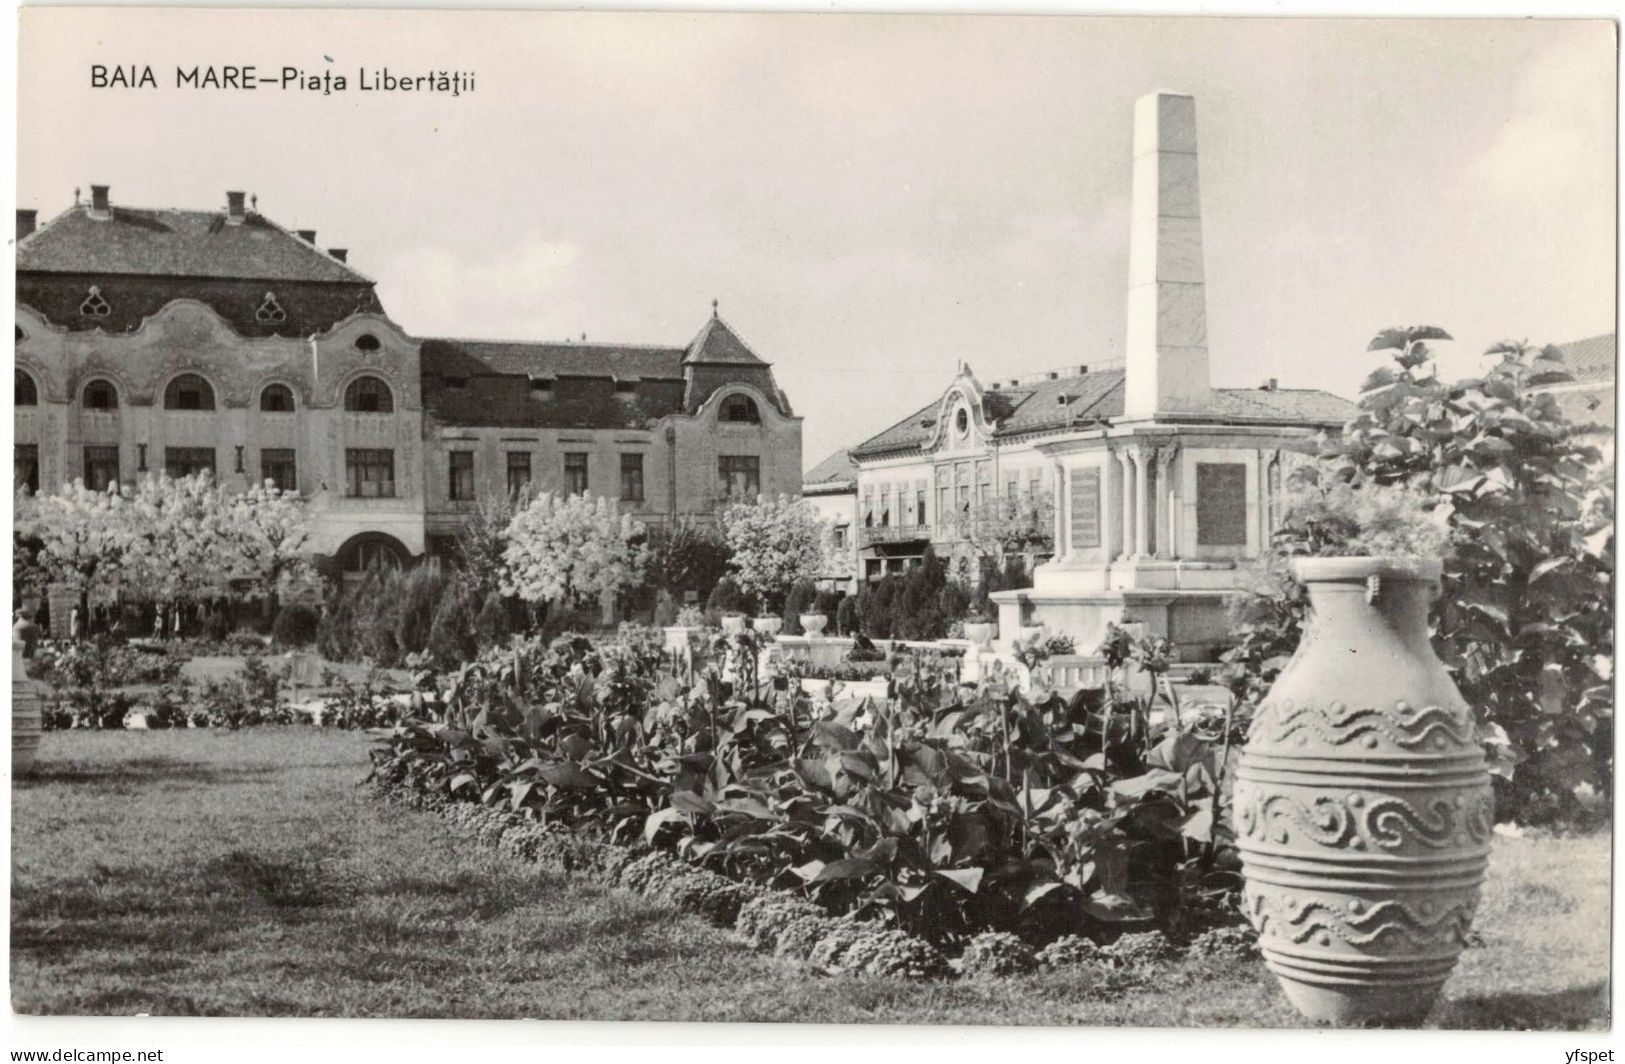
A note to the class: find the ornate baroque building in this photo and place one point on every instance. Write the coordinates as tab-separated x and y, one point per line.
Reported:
182	340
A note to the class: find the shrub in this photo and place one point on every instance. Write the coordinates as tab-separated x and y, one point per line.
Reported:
1070	951
1140	947
848	618
296	626
420	593
803	597
726	597
451	639
493	627
335	633
996	953
217	624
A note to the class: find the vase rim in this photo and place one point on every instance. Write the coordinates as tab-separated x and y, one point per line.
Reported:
1392	567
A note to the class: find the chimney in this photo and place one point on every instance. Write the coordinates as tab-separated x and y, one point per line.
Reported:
1269	385
342	254
234	208
25	222
307	235
1166	365
101	201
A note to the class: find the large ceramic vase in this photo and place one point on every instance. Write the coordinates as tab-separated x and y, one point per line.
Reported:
1362	805
26	724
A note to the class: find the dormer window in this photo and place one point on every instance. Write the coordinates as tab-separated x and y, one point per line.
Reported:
740	408
625	387
94	305
541	386
270	312
456	383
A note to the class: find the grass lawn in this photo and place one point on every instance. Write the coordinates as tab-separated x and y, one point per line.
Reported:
202	872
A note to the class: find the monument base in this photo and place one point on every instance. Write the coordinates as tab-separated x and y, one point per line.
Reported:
1194	621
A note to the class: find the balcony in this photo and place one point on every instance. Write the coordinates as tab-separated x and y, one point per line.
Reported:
879	535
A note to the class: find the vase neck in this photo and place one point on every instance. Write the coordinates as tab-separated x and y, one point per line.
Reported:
1396	609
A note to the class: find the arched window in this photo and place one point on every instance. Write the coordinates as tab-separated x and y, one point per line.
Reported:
369	395
277	399
99	395
27	393
367	342
189	392
740	408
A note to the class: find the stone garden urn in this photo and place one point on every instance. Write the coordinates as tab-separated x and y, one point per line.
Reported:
733	623
768	624
26	724
1363	808
812	624
981	633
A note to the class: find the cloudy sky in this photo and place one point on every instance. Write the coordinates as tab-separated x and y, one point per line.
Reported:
876	198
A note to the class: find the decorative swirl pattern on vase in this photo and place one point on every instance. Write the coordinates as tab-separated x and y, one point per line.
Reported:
1359	923
1338	724
1360	820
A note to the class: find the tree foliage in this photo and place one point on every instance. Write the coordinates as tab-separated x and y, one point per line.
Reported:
774	542
571	549
1525	621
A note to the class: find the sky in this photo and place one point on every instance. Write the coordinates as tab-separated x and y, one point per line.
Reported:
875	199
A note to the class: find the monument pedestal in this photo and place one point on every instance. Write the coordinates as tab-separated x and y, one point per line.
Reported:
1181	601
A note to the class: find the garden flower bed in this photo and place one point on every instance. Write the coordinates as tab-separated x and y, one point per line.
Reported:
945	812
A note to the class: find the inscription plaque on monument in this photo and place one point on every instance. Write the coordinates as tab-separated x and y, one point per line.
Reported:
1085	522
1221	504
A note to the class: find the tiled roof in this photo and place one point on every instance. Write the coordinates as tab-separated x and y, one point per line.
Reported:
307	308
621	361
837	467
717	343
1080	399
1594	359
177	243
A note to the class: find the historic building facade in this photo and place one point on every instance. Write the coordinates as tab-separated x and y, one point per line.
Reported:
831	489
181	340
1159	489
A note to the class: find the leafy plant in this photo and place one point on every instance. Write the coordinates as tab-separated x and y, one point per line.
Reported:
1525	621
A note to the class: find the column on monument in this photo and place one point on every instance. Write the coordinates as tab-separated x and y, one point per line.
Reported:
1142	524
1126	506
1062	522
1167	504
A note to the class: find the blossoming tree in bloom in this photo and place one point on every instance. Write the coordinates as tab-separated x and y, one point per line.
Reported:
571	549
180	549
775	542
268	534
82	535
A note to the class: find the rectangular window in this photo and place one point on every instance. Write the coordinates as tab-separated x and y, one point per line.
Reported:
101	467
518	472
885	505
739	476
461	473
277	464
631	477
25	466
919	504
185	461
984	482
369	473
1221	504
1085	519
575	472
838	537
1035	482
1012	484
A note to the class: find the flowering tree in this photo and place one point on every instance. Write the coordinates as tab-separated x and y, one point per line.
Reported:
82	535
571	548
268	535
179	538
775	542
